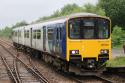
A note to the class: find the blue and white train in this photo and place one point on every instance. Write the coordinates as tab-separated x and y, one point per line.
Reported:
82	39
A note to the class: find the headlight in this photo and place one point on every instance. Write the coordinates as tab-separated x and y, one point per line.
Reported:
104	51
74	52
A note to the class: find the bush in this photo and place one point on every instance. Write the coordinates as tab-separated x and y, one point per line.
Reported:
118	36
6	32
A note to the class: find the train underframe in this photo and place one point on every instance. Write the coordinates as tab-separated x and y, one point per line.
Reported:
88	64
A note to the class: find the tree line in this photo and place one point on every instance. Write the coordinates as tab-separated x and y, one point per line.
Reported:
115	9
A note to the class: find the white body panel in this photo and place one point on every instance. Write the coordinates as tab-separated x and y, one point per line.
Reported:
27	40
21	39
36	43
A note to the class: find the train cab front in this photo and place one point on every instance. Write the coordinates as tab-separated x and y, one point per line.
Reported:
88	41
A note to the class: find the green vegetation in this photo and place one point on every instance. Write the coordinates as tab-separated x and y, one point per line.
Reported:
74	8
115	9
118	37
7	31
111	8
18	24
117	62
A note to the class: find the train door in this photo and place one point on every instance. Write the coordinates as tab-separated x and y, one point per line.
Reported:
60	39
31	37
57	40
44	38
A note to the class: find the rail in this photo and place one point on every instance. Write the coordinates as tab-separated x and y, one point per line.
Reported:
10	72
35	72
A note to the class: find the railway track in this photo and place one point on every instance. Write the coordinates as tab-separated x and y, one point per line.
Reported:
39	75
77	80
86	78
36	73
105	80
36	69
16	73
14	76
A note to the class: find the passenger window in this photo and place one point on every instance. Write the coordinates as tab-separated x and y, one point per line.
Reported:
38	34
50	34
19	34
26	34
34	34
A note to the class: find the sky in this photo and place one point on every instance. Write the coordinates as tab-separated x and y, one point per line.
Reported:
13	11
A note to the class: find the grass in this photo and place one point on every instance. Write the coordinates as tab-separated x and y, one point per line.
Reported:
117	62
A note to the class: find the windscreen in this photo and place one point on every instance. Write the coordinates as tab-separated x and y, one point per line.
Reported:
89	28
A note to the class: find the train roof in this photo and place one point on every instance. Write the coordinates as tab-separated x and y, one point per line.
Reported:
71	16
59	20
18	28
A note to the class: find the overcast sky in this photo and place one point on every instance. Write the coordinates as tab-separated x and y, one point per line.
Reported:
12	11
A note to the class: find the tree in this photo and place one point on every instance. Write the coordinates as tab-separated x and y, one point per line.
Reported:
69	9
18	24
74	8
115	9
117	35
93	9
6	32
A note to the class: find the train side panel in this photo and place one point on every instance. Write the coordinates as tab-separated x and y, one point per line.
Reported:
27	37
56	36
37	38
15	37
21	36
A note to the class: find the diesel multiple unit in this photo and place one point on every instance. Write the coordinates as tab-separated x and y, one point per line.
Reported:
83	39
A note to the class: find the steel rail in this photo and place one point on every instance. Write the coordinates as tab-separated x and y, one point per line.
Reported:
39	76
75	79
16	71
6	41
104	79
9	70
36	69
100	78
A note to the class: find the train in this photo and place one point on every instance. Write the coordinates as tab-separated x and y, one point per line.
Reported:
81	39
